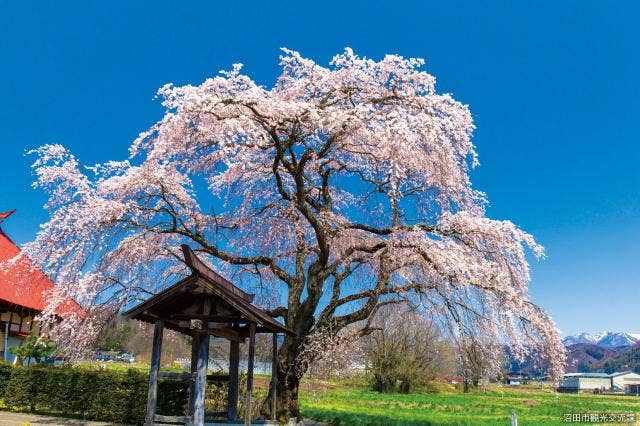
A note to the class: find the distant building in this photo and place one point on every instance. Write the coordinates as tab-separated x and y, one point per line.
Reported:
515	379
576	382
512	380
452	380
121	356
23	288
626	381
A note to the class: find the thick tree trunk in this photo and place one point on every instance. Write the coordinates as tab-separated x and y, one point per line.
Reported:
288	383
287	399
291	367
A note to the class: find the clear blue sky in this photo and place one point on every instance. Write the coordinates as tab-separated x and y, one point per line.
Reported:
553	87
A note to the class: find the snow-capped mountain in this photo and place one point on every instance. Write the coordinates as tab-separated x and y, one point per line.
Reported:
609	339
616	340
579	338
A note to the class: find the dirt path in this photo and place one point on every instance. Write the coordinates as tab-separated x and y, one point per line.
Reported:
22	419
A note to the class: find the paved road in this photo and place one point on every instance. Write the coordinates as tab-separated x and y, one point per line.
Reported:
21	419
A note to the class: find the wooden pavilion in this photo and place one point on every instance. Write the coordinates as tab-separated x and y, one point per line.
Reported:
201	305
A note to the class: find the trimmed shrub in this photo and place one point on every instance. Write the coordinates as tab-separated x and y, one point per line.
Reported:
92	394
20	389
5	373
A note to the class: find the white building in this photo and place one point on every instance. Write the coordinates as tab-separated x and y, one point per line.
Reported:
626	381
576	382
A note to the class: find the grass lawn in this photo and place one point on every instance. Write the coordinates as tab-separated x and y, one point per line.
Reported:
342	403
354	404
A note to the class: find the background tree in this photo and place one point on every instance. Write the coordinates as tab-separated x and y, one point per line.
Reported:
479	354
115	335
402	350
33	347
174	345
340	188
343	358
476	361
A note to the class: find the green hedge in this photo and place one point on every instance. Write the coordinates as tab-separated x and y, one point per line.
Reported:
5	373
106	395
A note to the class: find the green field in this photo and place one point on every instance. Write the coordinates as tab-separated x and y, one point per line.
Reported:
343	404
352	403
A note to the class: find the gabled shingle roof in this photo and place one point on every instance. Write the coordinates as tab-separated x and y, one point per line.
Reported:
203	282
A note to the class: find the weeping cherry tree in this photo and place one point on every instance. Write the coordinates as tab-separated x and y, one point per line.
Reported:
336	191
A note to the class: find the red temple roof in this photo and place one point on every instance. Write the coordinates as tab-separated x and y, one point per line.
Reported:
5	215
13	279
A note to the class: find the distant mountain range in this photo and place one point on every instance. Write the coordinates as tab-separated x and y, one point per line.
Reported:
607	339
587	357
605	352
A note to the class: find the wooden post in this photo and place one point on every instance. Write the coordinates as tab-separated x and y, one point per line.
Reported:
153	372
232	396
274	376
252	348
195	346
201	379
6	341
